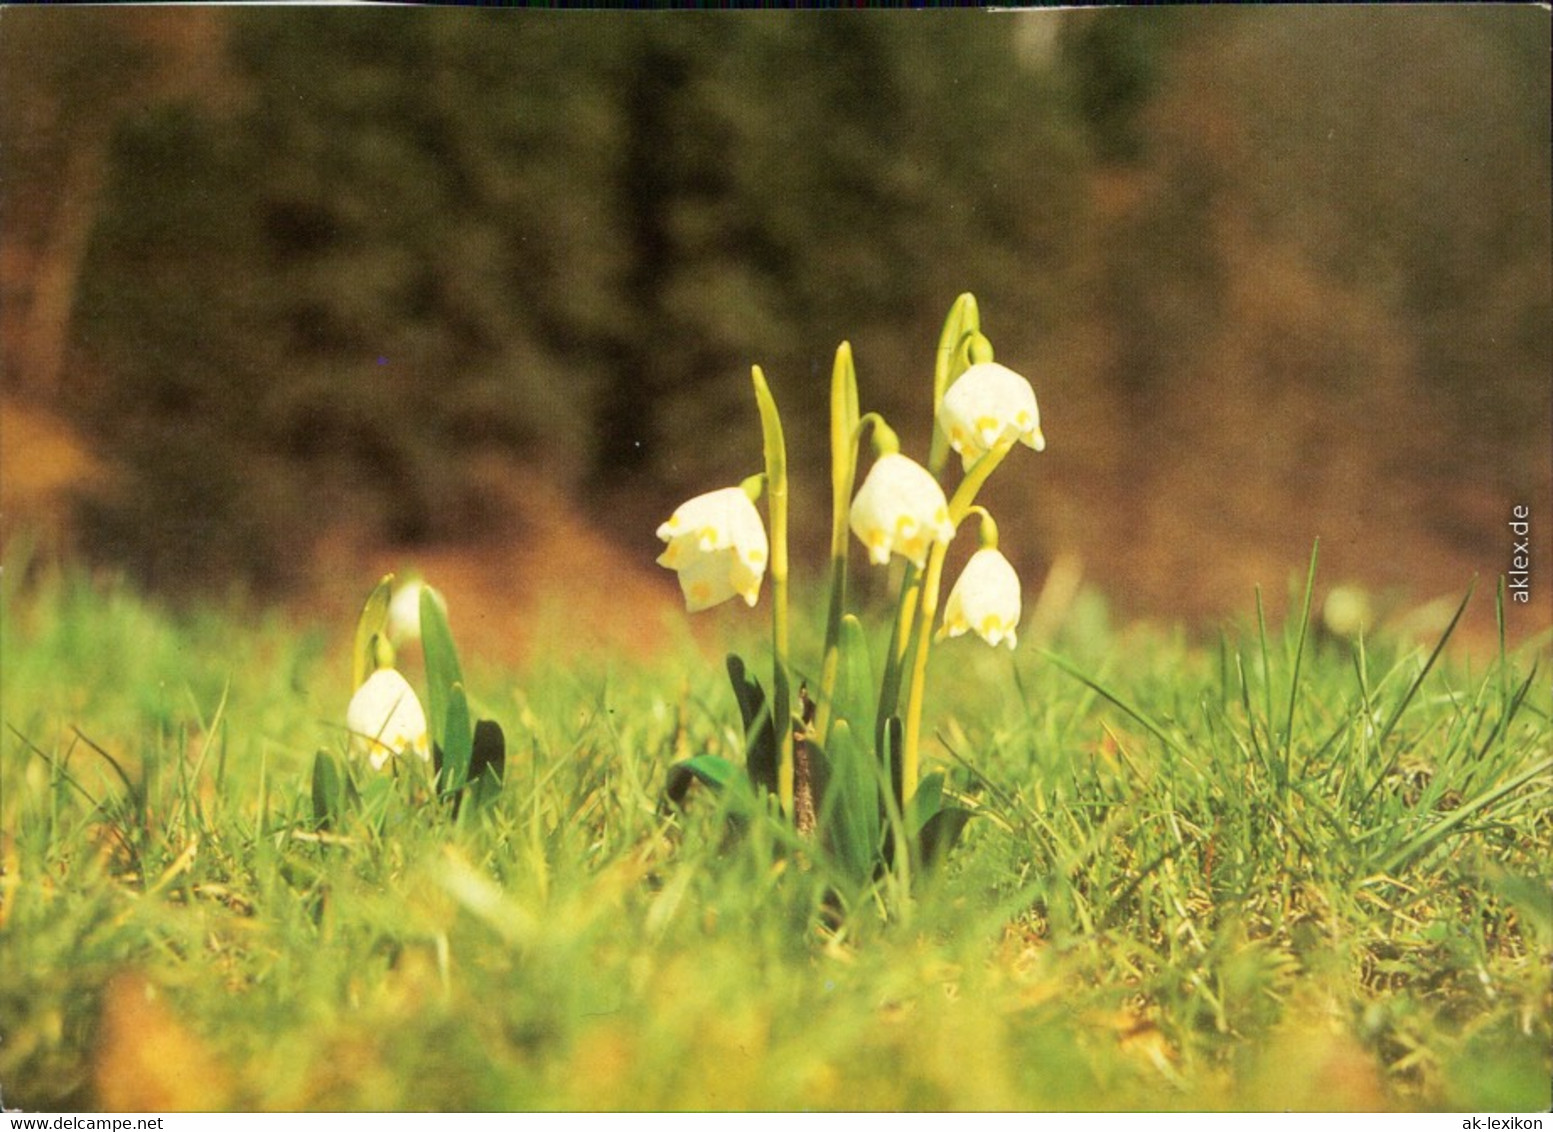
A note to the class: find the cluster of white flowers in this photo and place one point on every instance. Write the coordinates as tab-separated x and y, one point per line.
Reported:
717	542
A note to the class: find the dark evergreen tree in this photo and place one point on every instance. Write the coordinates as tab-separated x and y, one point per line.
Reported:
427	235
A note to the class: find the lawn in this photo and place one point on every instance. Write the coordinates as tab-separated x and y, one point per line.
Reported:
1258	867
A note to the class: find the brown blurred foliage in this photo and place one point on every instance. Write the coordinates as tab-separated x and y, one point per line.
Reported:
1275	274
1316	306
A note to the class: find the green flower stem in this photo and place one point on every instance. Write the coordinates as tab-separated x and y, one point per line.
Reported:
987	532
959	507
895	659
963	322
776	506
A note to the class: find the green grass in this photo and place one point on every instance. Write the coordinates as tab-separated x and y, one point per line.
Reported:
1274	871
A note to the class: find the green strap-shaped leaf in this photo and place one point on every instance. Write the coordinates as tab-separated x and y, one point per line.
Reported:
843	470
458	743
759	736
746	689
712	770
328	791
890	741
442	667
926	802
369	626
850	816
939	835
854	694
776	571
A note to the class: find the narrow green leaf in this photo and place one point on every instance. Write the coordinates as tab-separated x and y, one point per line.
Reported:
369	626
854	693
328	792
776	570
747	690
1396	714
850	816
1267	686
898	656
1299	654
1137	714
352	795
843	430
711	770
442	667
1502	727
926	802
457	744
890	759
940	834
843	470
760	752
377	796
1421	843
771	435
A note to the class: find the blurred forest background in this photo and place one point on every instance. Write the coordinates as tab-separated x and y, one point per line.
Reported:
290	296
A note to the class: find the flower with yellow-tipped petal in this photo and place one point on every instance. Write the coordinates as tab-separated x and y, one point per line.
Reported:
385	719
989	403
717	544
900	509
985	600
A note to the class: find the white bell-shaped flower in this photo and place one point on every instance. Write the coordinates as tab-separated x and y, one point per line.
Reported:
989	403
985	600
385	719
717	544
900	509
404	613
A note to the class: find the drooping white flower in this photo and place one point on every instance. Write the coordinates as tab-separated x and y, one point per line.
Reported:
984	600
385	719
404	613
717	544
901	509
989	403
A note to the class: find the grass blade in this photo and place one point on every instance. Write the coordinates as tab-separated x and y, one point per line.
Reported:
1407	698
1144	720
1428	838
1299	653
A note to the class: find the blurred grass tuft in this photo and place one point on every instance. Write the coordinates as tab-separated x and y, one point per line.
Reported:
1174	897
